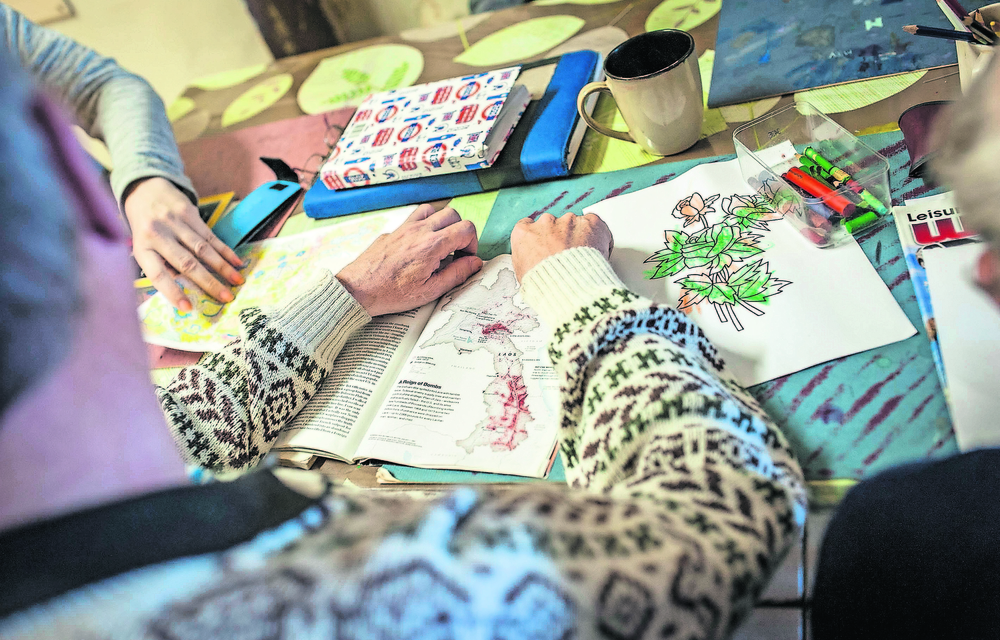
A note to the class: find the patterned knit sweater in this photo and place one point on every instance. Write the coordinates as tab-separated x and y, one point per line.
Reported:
684	497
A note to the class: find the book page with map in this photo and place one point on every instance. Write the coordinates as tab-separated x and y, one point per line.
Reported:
477	392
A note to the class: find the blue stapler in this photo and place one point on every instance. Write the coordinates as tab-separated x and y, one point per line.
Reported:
259	207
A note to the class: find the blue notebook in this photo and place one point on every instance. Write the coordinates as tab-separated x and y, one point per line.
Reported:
542	146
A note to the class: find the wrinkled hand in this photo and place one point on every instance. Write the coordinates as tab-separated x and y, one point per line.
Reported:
167	230
533	241
409	267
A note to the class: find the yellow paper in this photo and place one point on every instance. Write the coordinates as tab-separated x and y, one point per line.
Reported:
522	40
713	123
444	30
346	80
256	99
475	207
179	108
275	268
601	40
681	14
226	79
855	95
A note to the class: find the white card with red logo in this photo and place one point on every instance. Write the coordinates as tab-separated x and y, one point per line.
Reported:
460	124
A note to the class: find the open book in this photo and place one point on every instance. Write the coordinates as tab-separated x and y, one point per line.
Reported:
463	383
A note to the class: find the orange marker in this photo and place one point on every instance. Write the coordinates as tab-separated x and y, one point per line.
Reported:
811	185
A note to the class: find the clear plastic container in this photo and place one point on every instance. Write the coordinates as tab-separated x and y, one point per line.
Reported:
767	148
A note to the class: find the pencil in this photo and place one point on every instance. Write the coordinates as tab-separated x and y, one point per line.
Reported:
979	29
947	34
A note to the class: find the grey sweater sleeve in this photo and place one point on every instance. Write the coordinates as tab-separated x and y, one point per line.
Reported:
110	103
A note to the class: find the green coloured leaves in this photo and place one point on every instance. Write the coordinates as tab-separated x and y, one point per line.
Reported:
702	287
755	283
717	258
714	248
671	259
749	212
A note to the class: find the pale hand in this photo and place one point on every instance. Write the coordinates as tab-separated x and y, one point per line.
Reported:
534	241
411	266
167	230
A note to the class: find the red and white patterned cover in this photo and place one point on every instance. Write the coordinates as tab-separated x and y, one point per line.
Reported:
433	128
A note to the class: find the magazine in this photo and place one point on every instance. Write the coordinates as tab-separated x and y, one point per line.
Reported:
462	383
926	224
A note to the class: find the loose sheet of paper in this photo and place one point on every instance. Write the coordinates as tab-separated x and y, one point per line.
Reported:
345	80
769	300
274	269
520	41
968	329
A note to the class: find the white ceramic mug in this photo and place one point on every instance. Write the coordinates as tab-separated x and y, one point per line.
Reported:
655	81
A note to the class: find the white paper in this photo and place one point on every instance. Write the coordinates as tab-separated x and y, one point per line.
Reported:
834	303
477	392
968	328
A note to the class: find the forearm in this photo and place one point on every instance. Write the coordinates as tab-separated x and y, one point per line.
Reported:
226	411
108	102
651	418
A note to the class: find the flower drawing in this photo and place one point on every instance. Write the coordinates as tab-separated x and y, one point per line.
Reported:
715	261
695	208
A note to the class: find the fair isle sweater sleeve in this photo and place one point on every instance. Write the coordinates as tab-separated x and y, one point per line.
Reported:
707	490
110	103
225	412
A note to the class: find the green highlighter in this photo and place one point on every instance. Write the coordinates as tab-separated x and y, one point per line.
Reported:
842	177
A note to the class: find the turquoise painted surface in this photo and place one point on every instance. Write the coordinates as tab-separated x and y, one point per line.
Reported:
847	418
447	476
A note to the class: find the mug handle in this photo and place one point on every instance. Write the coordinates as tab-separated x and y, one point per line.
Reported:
597	126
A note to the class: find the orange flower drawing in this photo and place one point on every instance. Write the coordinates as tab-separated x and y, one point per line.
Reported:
695	208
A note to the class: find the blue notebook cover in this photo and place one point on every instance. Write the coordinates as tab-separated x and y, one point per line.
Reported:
541	147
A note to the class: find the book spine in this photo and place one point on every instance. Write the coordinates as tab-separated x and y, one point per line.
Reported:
918	275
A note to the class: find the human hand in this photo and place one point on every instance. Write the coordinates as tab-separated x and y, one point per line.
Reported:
167	230
533	241
409	267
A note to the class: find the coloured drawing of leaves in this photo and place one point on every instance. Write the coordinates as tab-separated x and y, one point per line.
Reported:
755	283
748	212
702	287
671	258
720	246
695	289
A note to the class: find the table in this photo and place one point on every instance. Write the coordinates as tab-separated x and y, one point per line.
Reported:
848	418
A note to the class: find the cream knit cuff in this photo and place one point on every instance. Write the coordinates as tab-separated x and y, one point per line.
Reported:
560	285
322	316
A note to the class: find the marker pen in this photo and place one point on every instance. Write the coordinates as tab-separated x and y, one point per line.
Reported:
842	177
816	171
817	189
